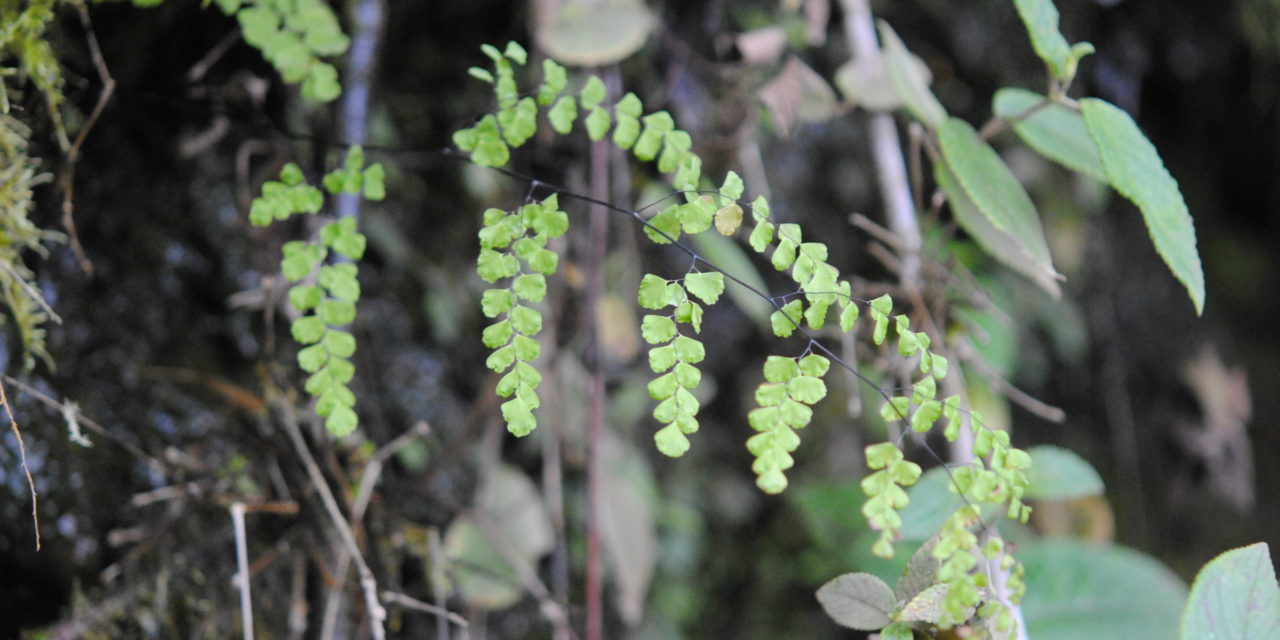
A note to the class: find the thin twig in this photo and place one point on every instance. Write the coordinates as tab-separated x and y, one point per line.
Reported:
377	614
73	154
85	421
364	493
886	149
408	602
1023	399
22	453
242	570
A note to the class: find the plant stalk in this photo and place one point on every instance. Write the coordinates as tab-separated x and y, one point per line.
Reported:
597	238
887	151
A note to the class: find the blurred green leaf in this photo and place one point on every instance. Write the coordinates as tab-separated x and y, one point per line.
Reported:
1078	591
1059	474
908	80
1235	597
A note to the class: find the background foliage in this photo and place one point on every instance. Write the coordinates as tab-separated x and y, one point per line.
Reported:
165	343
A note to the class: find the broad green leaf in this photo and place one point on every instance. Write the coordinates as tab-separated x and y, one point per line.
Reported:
920	573
1135	170
858	601
991	205
1235	597
1079	591
930	503
1041	20
1054	131
926	606
591	33
908	80
1059	474
518	517
628	523
707	286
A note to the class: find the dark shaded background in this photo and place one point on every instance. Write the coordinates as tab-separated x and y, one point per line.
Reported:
152	349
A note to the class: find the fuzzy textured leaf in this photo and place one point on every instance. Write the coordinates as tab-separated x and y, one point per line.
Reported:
1135	170
1041	19
1235	597
858	601
1054	131
994	192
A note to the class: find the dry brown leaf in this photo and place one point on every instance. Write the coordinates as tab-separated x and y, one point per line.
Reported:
798	95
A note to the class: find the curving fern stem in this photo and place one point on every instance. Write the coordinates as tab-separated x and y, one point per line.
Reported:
514	254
